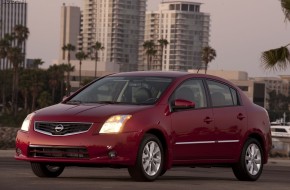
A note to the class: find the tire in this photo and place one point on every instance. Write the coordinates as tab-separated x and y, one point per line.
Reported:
250	165
150	159
46	170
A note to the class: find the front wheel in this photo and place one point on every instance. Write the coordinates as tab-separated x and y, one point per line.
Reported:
250	165
46	170
150	158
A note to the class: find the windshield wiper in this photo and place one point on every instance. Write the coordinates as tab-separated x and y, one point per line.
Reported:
74	102
106	102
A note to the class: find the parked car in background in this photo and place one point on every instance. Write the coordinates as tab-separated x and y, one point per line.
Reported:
149	122
280	129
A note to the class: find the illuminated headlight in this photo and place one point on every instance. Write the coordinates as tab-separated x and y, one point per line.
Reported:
26	122
114	124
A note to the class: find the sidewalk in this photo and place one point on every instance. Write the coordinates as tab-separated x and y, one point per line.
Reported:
272	161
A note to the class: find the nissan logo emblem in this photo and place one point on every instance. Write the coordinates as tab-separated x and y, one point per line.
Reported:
59	128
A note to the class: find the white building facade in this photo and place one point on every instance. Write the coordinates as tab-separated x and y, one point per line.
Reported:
186	29
119	26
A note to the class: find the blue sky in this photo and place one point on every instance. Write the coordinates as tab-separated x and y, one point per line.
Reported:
240	31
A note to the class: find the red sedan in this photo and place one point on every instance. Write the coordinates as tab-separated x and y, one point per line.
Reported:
149	122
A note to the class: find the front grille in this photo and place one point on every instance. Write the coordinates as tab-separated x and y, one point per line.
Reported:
61	129
58	152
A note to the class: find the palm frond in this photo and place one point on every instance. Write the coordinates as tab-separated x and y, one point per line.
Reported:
275	59
286	8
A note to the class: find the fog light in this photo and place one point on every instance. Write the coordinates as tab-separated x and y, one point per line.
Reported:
18	152
112	154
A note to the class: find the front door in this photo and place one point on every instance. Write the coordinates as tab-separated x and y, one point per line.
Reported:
193	128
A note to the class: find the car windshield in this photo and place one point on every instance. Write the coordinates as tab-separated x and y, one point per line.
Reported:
123	90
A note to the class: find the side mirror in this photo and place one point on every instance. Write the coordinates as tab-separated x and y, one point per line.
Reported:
182	104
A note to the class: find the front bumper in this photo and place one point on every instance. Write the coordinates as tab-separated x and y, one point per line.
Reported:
82	149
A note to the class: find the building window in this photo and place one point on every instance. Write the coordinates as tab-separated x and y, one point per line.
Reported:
191	8
184	7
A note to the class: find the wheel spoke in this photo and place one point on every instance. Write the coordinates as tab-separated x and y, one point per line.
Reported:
258	161
255	167
146	164
152	146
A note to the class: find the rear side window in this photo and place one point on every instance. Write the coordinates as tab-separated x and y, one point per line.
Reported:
222	95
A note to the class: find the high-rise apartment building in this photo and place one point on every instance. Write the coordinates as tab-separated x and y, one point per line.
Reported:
186	29
12	13
119	26
70	28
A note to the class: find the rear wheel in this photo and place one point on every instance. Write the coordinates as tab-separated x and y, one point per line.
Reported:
46	170
250	165
150	158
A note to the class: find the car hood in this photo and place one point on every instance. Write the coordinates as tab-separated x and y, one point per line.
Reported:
85	113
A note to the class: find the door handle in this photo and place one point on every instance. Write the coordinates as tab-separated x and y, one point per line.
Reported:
208	120
241	116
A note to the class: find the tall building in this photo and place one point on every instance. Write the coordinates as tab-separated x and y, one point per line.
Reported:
70	28
186	29
119	26
12	13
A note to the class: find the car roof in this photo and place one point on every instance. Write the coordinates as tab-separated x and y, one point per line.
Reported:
172	74
153	73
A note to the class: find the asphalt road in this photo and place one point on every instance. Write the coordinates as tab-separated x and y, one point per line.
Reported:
18	175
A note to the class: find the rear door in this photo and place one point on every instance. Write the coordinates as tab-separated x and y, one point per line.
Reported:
229	119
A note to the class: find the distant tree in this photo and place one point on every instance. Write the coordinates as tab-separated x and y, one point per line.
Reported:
149	51
278	58
68	69
44	99
163	43
207	55
24	86
21	34
16	57
36	63
95	49
81	56
4	46
69	48
37	77
55	80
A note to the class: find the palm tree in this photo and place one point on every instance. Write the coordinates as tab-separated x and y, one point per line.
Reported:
68	68
56	77
69	48
24	85
4	46
278	58
163	43
149	51
36	63
21	34
207	55
95	48
81	56
36	85
16	57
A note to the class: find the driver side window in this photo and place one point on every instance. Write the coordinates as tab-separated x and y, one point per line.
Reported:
192	90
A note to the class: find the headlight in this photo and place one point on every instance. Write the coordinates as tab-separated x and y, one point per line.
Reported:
26	122
115	123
